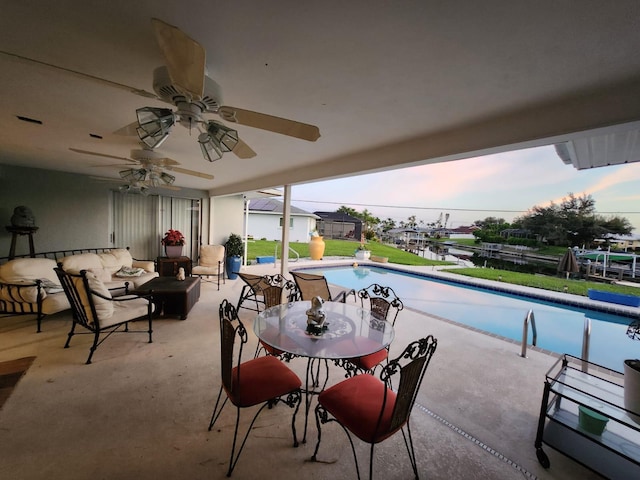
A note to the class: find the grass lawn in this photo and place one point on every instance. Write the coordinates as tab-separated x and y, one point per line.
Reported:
556	284
346	248
340	248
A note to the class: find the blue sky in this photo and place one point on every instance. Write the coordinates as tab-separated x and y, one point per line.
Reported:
504	185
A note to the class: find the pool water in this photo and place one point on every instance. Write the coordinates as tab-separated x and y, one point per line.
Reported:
560	327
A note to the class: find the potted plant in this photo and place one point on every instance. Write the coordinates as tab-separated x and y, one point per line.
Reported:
632	376
173	242
361	252
234	248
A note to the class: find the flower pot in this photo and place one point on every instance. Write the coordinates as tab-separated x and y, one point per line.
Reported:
316	248
363	254
233	266
591	421
632	388
173	251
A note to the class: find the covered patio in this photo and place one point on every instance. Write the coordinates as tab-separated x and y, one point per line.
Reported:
141	410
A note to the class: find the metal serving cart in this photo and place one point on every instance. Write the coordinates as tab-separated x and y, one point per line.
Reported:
580	399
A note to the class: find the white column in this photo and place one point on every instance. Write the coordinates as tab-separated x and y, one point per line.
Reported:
246	230
286	215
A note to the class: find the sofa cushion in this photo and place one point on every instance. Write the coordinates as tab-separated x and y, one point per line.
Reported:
102	274
83	261
20	295
147	265
115	259
104	308
20	269
54	303
123	311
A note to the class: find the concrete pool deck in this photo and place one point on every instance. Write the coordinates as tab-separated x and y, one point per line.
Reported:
141	410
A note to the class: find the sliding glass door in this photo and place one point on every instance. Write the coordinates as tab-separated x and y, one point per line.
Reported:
140	223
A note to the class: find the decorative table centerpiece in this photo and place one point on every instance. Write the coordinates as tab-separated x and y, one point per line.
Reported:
173	242
316	317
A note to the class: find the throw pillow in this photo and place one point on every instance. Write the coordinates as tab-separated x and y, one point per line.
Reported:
50	287
126	272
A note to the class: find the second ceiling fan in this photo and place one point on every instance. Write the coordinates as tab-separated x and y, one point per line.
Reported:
183	83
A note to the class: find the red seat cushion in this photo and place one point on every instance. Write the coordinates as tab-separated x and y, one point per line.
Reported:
261	379
356	403
369	361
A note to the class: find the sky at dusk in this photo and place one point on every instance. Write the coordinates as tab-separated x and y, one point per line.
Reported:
504	185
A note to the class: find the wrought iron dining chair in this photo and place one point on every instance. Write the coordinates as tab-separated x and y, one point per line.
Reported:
384	305
366	406
97	309
273	295
311	285
263	380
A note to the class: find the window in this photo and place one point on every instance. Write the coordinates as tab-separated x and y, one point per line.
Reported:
290	222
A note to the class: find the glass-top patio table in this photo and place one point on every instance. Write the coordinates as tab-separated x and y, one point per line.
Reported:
351	331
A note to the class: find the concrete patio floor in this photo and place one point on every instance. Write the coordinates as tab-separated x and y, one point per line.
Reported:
142	410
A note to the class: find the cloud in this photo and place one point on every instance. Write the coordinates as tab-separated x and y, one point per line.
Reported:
492	184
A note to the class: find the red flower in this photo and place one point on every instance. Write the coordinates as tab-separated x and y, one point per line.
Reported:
173	237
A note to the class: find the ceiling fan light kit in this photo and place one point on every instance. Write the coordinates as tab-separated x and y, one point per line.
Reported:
183	83
133	175
154	125
216	140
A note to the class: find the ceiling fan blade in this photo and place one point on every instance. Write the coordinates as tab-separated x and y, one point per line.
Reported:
122	86
107	179
87	152
128	130
118	165
151	157
190	172
263	121
242	150
185	58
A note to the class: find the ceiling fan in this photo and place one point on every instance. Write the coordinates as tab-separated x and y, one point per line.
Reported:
183	83
146	168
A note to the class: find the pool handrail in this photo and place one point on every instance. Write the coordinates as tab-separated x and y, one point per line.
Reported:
529	318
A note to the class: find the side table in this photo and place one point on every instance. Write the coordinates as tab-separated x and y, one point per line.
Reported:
15	231
168	267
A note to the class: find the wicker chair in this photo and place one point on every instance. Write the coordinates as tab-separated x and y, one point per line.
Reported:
263	380
95	309
366	406
310	285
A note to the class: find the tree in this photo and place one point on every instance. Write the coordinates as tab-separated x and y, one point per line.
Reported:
348	211
411	222
490	229
388	224
573	222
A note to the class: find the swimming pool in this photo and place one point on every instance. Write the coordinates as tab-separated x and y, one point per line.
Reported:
560	327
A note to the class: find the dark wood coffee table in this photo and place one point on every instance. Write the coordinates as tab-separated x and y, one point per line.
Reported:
171	296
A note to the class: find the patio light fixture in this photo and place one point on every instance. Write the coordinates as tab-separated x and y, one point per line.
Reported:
154	125
216	140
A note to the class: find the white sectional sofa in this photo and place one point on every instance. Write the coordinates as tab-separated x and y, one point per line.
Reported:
31	286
